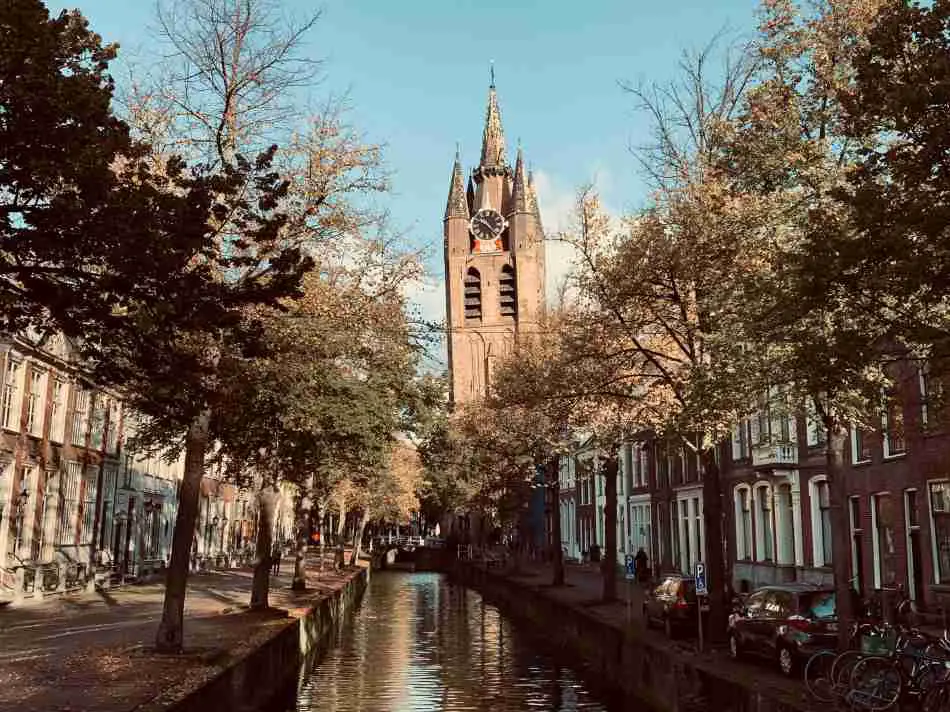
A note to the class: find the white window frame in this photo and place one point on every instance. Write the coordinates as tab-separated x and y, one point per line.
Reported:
11	399
885	426
854	446
760	533
79	427
59	396
817	531
924	394
36	402
909	529
876	554
745	550
934	544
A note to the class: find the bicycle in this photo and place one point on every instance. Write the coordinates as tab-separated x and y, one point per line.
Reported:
879	682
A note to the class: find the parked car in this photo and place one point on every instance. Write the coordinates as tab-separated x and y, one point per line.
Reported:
785	623
672	604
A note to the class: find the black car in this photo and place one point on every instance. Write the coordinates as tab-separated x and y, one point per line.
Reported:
673	604
785	623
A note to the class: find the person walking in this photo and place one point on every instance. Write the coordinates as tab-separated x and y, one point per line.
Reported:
275	560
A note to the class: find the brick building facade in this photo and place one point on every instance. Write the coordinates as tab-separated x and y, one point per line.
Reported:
777	516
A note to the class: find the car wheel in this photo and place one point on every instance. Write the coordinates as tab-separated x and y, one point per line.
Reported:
734	652
786	661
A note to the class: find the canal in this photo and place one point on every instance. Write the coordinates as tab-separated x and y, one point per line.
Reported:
418	642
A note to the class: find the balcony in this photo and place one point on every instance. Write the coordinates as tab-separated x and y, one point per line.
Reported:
771	454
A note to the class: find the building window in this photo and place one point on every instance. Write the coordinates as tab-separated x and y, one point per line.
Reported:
860	444
740	440
89	505
765	537
821	521
10	405
35	403
112	427
473	294
743	497
507	291
940	529
80	416
51	500
69	515
857	543
57	428
893	427
26	516
815	429
884	549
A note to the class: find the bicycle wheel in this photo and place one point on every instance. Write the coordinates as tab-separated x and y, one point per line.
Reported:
818	678
841	671
875	684
937	698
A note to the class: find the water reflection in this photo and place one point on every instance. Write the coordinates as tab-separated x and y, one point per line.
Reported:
420	643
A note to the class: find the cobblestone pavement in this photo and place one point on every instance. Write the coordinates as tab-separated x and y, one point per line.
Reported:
92	651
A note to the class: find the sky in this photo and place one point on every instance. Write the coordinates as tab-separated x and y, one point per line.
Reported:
416	73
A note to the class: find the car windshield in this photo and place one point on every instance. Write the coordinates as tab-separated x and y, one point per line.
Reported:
820	604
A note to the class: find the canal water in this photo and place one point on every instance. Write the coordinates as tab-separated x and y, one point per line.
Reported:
418	642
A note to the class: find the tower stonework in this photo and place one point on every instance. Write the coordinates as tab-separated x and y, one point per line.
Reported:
494	261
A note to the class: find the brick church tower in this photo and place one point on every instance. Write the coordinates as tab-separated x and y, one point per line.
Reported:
494	261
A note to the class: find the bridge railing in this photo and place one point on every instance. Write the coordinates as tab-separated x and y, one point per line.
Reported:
407	540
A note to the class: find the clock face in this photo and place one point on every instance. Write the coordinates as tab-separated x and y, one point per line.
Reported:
487	224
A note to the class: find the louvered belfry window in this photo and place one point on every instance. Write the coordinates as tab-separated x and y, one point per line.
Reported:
507	291
473	294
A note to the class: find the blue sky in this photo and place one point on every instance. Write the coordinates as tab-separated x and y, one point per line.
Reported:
417	74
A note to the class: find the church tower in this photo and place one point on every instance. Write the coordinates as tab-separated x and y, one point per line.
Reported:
494	261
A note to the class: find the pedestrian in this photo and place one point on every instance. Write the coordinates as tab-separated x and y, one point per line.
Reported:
275	560
642	563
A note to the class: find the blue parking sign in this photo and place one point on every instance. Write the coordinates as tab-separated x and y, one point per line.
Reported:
630	567
701	587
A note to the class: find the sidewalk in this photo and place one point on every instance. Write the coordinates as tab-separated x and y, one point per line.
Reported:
93	651
582	589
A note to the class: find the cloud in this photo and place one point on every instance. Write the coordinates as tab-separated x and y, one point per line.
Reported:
556	202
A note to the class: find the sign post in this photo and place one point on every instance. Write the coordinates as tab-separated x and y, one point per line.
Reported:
630	574
701	590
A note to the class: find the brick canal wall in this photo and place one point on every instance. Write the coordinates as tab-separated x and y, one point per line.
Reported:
270	667
659	676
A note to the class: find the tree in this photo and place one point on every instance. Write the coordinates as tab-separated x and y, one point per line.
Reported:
788	152
888	245
144	261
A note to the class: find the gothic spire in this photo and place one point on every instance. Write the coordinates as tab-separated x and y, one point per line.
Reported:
456	206
533	199
520	199
493	137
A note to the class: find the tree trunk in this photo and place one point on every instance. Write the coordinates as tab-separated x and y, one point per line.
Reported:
840	530
341	522
321	513
170	636
358	538
304	509
267	505
609	561
715	561
558	553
